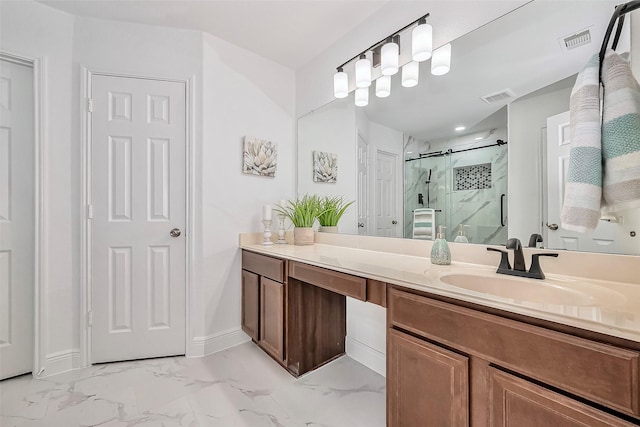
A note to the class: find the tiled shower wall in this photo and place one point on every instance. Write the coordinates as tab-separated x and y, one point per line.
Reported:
478	207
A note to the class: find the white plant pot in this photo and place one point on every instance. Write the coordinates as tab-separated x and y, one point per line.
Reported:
303	236
328	229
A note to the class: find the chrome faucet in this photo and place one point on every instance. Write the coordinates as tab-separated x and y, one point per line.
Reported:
519	267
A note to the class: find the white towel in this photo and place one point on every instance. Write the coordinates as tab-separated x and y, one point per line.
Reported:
583	190
620	135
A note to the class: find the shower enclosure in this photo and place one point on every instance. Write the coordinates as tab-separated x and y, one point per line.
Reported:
467	188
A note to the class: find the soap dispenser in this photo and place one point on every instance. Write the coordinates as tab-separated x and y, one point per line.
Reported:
461	238
440	253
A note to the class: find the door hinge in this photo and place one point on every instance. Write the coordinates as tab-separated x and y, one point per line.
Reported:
90	105
89	318
90	211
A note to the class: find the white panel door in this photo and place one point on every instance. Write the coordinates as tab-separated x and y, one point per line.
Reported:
363	186
138	130
558	146
17	219
386	201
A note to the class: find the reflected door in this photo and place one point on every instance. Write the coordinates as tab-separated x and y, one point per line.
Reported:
386	198
558	146
137	231
363	186
17	219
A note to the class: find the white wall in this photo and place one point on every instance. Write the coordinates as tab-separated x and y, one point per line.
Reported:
527	120
236	93
36	31
243	94
331	129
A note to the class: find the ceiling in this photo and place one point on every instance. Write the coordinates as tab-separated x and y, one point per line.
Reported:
288	32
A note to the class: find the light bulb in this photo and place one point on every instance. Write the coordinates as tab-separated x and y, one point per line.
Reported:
410	73
389	60
441	60
363	72
362	96
383	86
421	41
340	84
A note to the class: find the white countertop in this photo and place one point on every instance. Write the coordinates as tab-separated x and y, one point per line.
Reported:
611	308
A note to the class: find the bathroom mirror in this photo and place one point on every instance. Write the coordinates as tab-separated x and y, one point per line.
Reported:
491	180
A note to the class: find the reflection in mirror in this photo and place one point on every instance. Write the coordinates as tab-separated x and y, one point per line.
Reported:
461	182
508	80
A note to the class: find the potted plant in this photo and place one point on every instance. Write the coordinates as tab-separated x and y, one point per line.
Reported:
302	213
332	210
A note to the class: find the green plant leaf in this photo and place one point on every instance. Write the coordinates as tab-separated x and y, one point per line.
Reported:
332	210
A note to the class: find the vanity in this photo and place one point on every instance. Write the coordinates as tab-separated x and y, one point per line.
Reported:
455	356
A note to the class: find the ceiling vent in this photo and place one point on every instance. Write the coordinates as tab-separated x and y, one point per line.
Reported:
492	98
576	40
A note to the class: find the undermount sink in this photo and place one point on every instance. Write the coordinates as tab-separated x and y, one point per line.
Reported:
548	291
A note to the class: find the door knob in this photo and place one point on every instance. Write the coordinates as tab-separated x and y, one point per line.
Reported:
553	227
394	222
175	232
361	225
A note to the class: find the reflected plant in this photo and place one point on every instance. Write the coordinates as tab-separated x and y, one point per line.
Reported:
333	208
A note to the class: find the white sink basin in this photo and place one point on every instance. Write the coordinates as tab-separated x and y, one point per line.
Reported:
549	291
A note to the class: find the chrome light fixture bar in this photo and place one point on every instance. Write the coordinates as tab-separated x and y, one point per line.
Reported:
386	54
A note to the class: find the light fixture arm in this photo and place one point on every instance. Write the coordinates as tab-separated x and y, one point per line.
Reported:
384	40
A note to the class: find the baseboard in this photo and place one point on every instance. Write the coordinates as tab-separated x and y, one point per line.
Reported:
203	346
368	356
60	361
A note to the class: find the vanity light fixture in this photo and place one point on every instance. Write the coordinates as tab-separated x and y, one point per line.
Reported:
363	71
383	86
386	54
362	96
410	74
390	53
340	84
441	60
422	41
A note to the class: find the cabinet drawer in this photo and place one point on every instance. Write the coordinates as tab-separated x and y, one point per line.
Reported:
263	265
340	283
595	371
517	402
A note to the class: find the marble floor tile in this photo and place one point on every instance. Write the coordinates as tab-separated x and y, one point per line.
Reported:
238	387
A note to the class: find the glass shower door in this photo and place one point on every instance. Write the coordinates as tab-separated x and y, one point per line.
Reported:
476	199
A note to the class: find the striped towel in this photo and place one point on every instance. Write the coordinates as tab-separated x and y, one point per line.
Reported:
620	135
583	190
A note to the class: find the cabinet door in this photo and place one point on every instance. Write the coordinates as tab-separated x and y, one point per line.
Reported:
250	303
426	385
517	402
272	317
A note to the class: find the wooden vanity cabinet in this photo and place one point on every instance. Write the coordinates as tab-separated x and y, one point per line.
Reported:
427	385
263	302
297	312
498	372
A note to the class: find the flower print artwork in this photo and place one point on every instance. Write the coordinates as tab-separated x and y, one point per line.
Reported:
325	167
260	157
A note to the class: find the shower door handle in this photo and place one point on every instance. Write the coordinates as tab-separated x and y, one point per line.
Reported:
502	209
